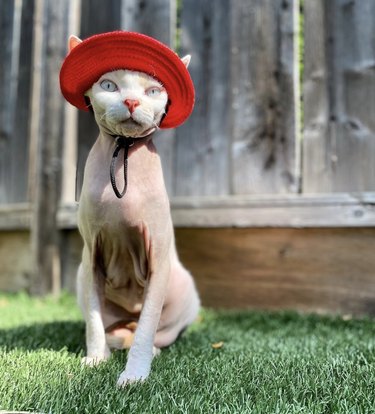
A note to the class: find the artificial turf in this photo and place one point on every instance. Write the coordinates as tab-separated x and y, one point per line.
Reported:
267	363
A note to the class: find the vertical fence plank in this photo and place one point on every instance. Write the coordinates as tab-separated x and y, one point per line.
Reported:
356	96
339	89
202	144
241	138
6	31
155	18
15	74
70	149
92	22
316	165
264	73
20	143
51	21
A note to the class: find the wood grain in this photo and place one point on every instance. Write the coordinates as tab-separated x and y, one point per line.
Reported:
323	210
339	94
70	139
203	142
320	270
16	25
15	259
311	270
6	110
47	129
264	71
243	137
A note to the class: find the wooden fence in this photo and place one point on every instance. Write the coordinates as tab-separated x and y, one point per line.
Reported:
259	149
244	136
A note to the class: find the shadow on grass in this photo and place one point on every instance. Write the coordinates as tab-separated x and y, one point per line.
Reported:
213	325
53	336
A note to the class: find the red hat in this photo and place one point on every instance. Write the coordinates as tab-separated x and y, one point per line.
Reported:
107	52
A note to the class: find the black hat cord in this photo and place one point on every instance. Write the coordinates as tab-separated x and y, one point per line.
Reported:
125	143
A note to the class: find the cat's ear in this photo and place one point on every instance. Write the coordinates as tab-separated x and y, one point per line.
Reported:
186	60
73	42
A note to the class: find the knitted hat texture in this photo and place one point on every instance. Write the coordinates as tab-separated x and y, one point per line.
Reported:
107	52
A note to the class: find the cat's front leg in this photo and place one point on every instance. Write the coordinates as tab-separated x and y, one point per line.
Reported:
89	299
142	351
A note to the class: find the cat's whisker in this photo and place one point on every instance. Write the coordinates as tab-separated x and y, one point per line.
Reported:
155	125
104	115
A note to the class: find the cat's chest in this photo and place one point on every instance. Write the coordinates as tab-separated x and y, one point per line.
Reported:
145	198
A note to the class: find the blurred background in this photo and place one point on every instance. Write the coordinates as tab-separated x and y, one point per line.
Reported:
271	180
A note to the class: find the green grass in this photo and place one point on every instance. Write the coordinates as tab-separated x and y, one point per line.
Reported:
269	363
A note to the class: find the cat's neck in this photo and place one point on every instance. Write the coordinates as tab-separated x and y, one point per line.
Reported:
109	141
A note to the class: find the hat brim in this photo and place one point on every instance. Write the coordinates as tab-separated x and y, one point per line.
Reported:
107	52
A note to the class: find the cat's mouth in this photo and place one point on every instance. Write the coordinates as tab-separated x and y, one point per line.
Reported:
131	127
130	122
126	125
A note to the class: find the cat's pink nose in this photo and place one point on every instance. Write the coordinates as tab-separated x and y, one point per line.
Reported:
131	104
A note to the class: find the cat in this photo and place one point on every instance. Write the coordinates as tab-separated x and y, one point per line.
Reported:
131	286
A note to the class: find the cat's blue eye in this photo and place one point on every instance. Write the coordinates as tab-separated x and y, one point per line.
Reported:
108	85
153	91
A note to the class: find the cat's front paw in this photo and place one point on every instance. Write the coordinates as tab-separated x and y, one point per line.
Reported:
156	351
93	361
130	378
